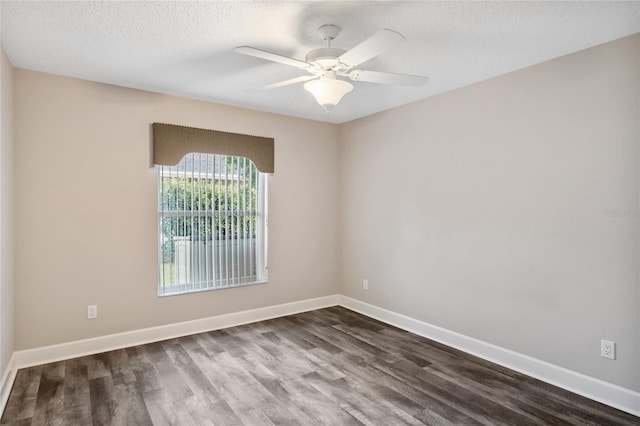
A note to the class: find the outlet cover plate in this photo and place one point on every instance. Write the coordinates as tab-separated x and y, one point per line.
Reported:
92	311
607	349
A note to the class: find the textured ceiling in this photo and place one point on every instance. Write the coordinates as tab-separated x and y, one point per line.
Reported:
185	48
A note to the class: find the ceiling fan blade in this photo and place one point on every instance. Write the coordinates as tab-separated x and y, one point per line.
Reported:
284	83
388	78
371	47
269	56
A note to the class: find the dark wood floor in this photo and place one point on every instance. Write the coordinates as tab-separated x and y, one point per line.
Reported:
330	367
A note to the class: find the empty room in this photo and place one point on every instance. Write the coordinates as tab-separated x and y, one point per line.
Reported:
319	213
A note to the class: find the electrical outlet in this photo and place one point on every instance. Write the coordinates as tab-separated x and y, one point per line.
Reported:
92	311
608	349
365	284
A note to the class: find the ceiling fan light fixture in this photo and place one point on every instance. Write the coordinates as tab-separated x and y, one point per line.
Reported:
328	92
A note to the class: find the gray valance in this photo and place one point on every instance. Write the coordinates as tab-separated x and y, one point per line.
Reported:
171	143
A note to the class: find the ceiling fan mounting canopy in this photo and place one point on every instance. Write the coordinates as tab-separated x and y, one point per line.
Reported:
329	32
326	64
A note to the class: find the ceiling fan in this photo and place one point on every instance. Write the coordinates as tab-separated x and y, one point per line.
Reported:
326	64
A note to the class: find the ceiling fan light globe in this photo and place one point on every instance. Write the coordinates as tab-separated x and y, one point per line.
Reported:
328	92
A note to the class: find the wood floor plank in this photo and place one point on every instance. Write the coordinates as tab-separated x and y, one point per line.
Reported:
143	369
131	407
503	393
23	422
326	367
316	405
190	371
120	367
98	366
290	388
348	343
77	397
50	400
352	402
439	408
273	385
299	362
293	324
162	409
212	404
102	399
230	391
168	375
22	399
259	396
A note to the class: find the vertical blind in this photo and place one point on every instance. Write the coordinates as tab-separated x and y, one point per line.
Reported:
212	224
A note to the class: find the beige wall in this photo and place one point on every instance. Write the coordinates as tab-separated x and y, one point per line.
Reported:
483	210
86	209
6	212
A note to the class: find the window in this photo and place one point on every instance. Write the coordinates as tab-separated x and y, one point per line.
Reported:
212	224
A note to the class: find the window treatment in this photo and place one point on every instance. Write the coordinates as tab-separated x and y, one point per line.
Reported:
171	143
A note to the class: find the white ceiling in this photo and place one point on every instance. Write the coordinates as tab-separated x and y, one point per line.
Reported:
186	48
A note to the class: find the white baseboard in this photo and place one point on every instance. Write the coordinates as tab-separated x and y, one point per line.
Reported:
62	351
6	383
598	390
592	388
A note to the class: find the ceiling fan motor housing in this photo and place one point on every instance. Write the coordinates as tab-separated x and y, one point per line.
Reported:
324	57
